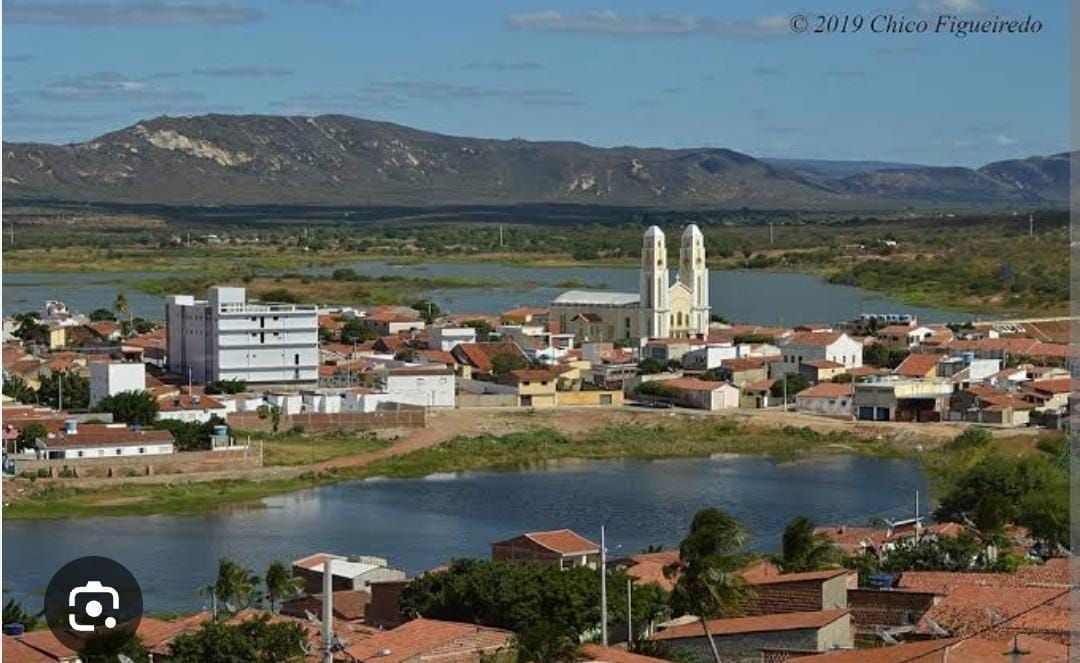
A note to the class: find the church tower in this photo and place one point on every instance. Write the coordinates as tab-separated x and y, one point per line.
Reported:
654	321
695	276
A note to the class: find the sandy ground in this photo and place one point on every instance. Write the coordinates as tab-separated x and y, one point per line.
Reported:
446	425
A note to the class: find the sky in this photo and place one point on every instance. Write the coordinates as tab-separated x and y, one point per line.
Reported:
666	73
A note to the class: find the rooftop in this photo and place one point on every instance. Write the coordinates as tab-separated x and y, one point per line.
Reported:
761	624
413	640
596	298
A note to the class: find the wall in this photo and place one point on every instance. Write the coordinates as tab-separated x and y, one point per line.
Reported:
187	461
840	406
487	400
747	646
871	608
405	417
586	398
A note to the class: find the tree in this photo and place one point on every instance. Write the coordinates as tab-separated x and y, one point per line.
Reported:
102	315
14	613
28	327
708	576
253	641
110	645
355	331
191	435
130	407
795	382
428	310
504	362
650	366
75	388
483	328
16	387
271	412
803	549
230	386
235	587
29	435
122	308
281	583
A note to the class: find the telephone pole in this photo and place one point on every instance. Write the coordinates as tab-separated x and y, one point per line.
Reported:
603	588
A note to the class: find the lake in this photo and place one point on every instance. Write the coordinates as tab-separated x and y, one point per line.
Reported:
757	297
422	523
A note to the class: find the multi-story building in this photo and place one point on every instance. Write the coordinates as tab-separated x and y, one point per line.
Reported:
226	337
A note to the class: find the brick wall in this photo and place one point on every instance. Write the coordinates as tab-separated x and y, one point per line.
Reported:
871	608
123	466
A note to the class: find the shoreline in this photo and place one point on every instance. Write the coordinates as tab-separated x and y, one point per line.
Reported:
512	450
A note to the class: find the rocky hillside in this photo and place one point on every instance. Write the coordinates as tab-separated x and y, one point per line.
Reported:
339	160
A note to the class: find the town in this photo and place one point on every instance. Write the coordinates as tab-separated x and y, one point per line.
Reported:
208	391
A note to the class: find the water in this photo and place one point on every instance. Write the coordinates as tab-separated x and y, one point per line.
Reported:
756	297
422	523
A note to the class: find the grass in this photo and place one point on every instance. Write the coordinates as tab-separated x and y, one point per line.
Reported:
688	438
303	449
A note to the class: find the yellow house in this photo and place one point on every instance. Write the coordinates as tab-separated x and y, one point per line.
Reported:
57	337
535	387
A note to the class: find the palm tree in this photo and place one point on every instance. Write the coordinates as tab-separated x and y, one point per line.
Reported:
280	583
121	306
235	586
708	576
803	549
14	613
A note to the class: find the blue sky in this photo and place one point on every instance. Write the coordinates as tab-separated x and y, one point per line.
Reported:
671	73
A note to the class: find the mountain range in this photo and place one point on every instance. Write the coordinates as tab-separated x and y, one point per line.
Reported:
226	160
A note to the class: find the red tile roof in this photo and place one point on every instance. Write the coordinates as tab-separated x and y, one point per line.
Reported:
188	402
760	624
817	339
1051	386
428	638
601	654
92	435
745	363
950	650
693	384
479	355
1052	573
45	642
16	651
532	374
971	610
822	364
917	365
827	390
563	541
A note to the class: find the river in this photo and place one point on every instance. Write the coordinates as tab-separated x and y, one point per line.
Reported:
421	523
757	297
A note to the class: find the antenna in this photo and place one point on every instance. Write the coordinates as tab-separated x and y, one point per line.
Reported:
1031	225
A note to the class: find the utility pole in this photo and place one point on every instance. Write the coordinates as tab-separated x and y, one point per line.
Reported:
629	612
59	391
1031	225
770	232
500	235
603	588
916	517
328	613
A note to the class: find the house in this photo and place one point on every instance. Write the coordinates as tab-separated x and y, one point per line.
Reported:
390	322
349	605
975	610
104	441
744	370
987	405
349	573
952	650
37	646
748	638
820	370
901	399
666	350
595	653
427	386
1052	394
525	315
563	548
709	356
481	356
829	398
445	338
702	394
903	336
191	408
535	387
836	347
918	365
758	395
108	378
429	639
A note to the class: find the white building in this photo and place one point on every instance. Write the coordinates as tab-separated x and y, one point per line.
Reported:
428	387
445	338
111	378
831	346
227	337
191	408
106	441
828	398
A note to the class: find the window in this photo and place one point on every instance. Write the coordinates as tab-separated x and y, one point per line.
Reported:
119	451
80	454
142	450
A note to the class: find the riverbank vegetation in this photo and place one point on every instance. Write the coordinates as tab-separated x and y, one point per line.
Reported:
980	261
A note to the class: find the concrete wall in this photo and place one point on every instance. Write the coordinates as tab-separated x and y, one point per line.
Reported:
840	406
871	608
587	398
185	462
487	400
405	417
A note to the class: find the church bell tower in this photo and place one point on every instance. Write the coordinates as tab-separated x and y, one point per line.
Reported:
654	320
695	276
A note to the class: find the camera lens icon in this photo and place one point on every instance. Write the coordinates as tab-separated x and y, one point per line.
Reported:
90	597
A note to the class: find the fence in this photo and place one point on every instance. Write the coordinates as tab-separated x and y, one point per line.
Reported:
403	416
120	466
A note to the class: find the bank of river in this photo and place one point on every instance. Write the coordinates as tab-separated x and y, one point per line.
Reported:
421	523
753	296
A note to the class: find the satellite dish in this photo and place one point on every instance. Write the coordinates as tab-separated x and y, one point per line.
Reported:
887	638
124	659
310	616
938	629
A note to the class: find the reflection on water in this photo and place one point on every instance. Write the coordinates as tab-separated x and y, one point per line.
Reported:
419	524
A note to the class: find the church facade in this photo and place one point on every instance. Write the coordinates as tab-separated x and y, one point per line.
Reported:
660	309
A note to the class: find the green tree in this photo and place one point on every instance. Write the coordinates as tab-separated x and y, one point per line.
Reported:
76	390
709	581
796	382
191	435
102	315
429	310
355	331
504	362
28	327
650	366
15	613
483	328
252	641
110	645
123	309
803	549
229	386
29	435
271	412
235	587
16	387
130	407
281	583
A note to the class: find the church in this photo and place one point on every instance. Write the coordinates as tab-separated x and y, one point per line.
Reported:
660	308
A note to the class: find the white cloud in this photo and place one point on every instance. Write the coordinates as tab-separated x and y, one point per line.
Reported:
138	12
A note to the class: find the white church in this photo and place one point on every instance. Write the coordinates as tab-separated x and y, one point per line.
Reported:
660	309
